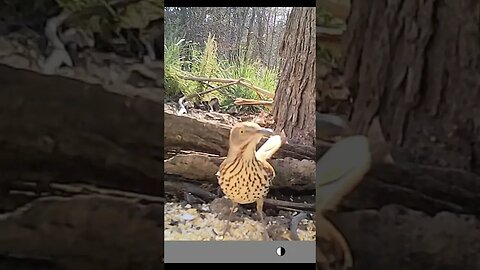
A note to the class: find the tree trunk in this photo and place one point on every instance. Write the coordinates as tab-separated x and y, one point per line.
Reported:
267	32
415	65
294	103
240	31
271	53
72	131
249	33
260	32
77	161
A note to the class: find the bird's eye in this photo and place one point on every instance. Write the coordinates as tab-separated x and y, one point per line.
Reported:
241	131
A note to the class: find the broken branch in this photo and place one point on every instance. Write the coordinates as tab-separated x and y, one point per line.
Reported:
247	84
244	101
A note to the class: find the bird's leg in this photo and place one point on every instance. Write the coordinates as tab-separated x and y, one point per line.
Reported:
260	212
234	205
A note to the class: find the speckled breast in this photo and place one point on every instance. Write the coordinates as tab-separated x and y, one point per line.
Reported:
245	180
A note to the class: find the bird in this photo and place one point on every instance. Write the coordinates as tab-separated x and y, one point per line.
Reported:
245	175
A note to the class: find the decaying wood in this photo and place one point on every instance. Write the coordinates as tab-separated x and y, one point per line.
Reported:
425	188
34	190
86	232
80	189
412	185
428	189
64	130
210	135
181	186
242	82
399	238
290	205
291	173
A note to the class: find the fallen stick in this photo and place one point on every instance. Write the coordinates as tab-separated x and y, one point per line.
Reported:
180	186
242	82
294	205
294	225
183	109
211	90
244	101
29	187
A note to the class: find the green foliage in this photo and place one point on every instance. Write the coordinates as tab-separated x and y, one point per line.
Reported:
184	58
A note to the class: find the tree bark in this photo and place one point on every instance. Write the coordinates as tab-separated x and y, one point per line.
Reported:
209	133
59	129
85	232
289	173
415	65
294	103
260	33
249	34
399	238
240	31
271	53
267	33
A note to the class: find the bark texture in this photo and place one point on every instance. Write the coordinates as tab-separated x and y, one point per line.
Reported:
398	238
60	140
415	64
294	102
59	129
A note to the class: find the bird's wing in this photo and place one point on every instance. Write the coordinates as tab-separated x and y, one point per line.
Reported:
340	170
333	251
270	147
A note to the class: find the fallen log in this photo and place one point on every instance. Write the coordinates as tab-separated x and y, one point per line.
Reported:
209	135
184	187
60	129
428	189
398	238
290	173
425	188
86	232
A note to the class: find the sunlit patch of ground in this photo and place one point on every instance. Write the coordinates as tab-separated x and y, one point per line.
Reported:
202	224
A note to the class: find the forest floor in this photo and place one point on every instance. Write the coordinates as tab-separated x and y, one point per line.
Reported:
188	217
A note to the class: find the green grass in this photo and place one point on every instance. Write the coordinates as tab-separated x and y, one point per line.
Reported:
185	58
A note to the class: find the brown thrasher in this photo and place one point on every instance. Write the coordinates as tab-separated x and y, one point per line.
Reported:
245	175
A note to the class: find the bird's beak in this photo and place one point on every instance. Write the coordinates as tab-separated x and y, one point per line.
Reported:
265	131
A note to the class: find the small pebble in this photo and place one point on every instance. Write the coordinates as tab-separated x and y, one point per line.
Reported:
187	217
